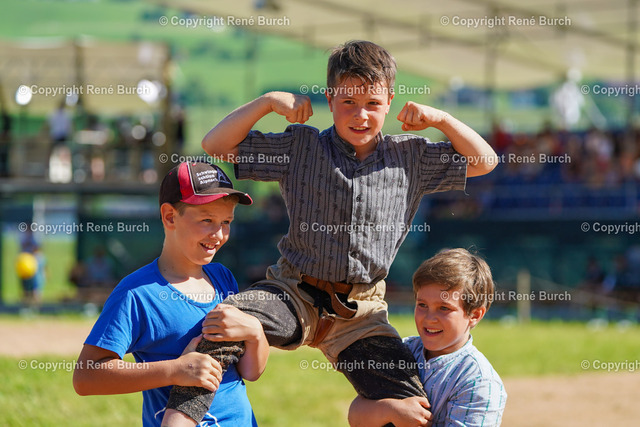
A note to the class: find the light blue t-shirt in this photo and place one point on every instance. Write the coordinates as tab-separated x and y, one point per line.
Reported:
462	387
148	317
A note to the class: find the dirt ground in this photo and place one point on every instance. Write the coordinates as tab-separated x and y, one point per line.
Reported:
595	399
38	337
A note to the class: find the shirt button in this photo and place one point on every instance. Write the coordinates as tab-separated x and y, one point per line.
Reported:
358	198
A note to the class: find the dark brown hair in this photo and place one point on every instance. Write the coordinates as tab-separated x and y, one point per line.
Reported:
460	270
364	60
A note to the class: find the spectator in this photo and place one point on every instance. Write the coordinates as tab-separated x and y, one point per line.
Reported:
594	275
99	270
5	142
32	286
616	281
60	130
93	278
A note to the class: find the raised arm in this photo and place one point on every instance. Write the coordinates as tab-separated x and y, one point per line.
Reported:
223	140
100	371
481	159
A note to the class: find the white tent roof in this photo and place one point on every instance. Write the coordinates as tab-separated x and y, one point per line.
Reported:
508	44
106	74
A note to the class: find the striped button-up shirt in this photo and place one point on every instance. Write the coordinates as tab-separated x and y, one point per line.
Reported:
462	387
348	217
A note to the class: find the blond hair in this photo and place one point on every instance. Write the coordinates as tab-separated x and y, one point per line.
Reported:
460	270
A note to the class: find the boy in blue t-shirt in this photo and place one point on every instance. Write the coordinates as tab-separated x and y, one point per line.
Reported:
161	309
453	291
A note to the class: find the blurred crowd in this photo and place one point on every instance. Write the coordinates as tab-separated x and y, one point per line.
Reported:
551	172
595	158
123	148
621	281
73	144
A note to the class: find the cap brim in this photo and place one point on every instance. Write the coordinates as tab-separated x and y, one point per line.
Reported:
203	199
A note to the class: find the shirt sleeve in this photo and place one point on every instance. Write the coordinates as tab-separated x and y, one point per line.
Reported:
442	168
225	280
266	156
118	326
479	402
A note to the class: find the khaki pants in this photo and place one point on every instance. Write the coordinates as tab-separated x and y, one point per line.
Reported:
365	348
370	319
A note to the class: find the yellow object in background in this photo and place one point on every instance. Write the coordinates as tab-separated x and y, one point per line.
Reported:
26	265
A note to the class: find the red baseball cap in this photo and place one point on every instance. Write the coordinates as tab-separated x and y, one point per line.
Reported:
198	183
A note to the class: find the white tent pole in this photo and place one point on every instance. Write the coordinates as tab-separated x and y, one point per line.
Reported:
168	122
490	80
631	57
492	41
79	72
251	74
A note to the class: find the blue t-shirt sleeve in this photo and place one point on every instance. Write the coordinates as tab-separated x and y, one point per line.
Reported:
119	325
226	283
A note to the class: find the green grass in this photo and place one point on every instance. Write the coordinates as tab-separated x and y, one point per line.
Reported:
288	395
553	348
46	398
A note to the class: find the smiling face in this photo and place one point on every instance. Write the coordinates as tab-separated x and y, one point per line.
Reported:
359	110
442	323
196	234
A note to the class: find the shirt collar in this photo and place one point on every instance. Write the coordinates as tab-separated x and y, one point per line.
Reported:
348	149
445	359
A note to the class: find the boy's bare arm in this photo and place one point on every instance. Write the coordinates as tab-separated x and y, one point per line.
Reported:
228	323
99	372
409	412
481	159
224	138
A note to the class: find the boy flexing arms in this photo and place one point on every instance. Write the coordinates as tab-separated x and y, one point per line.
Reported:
327	290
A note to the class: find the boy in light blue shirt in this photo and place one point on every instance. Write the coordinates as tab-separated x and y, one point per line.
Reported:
453	290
